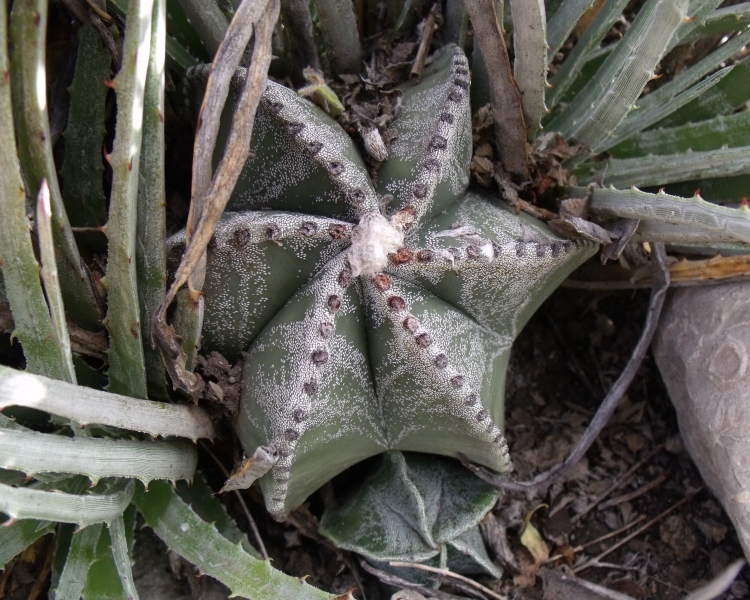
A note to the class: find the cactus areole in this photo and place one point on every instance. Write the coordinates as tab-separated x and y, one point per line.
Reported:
371	329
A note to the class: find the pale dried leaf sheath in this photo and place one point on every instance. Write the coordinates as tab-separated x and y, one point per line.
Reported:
127	371
85	405
510	129
34	453
26	503
223	68
23	289
530	67
51	283
664	208
203	219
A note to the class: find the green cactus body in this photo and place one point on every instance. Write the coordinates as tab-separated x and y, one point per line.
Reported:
368	332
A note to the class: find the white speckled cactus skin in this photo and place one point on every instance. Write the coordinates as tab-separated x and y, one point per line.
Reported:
339	367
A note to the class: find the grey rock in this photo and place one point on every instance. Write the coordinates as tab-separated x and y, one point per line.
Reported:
702	350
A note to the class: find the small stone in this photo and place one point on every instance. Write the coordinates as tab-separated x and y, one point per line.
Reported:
291	435
300	414
441	361
424	340
326	329
396	303
310	387
457	381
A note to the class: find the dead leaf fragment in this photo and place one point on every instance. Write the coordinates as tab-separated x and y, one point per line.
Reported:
251	469
532	539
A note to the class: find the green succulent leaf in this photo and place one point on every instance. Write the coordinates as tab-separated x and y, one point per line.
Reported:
670	168
410	508
606	100
368	332
110	576
724	98
728	131
721	22
84	510
80	557
200	543
83	165
207	506
33	453
17	536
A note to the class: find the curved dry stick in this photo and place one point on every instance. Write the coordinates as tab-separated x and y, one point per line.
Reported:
510	128
204	214
610	402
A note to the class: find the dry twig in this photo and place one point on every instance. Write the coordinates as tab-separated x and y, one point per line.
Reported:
448	573
510	129
210	196
595	561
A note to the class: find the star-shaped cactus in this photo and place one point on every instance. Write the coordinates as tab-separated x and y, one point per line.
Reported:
376	317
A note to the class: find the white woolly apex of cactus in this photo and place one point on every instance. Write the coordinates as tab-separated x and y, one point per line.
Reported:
373	239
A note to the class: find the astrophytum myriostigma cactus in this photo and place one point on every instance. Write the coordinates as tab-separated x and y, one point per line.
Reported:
375	317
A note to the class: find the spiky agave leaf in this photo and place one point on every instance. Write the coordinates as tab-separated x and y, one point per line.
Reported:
352	356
